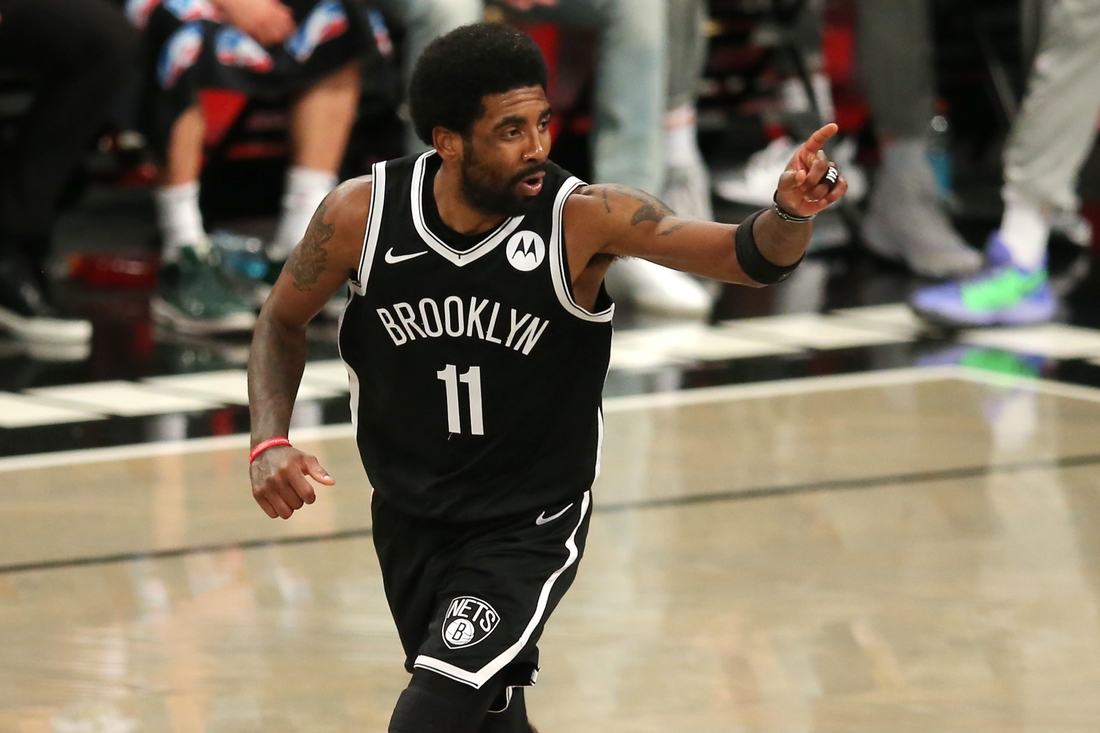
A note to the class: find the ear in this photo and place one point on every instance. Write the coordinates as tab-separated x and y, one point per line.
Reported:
448	143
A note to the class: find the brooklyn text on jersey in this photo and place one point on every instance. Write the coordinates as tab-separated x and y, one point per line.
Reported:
457	318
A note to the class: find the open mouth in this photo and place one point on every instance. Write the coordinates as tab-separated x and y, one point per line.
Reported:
531	185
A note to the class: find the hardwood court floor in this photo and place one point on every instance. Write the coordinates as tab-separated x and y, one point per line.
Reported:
911	551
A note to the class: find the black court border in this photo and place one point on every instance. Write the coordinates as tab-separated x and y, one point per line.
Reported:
852	484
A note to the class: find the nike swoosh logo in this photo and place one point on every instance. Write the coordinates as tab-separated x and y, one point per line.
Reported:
393	259
543	519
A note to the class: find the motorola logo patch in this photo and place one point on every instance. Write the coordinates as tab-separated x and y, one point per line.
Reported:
526	251
469	620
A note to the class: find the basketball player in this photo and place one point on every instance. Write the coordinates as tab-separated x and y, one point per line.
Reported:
477	338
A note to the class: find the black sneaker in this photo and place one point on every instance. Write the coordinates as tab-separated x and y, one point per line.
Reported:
192	297
26	310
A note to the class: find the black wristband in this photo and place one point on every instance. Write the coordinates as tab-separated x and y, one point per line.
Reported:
754	264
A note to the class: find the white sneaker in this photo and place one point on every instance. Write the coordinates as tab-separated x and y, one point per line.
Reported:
654	288
755	184
905	223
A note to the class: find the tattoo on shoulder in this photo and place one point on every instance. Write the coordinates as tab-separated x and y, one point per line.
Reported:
308	260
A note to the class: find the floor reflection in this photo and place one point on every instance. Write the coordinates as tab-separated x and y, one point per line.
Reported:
752	566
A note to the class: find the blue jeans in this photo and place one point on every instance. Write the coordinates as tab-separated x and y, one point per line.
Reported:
631	74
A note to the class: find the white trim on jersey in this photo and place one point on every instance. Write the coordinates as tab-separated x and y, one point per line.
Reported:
374	225
599	442
353	378
559	265
483	675
457	257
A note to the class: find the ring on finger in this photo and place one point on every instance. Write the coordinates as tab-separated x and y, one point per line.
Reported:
831	177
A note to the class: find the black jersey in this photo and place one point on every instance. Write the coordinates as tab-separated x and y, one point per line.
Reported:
476	379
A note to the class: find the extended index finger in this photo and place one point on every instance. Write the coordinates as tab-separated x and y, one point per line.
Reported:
818	139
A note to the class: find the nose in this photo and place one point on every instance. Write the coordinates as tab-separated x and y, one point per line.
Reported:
536	151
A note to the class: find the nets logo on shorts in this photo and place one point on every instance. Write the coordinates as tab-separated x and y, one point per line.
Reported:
469	620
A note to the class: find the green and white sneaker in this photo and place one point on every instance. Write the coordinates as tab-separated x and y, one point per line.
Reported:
193	296
1003	294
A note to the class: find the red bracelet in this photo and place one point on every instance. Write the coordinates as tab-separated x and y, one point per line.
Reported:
261	447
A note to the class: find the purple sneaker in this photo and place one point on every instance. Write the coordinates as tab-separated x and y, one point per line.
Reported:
1003	294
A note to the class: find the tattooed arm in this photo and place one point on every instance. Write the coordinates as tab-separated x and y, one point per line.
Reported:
605	221
321	263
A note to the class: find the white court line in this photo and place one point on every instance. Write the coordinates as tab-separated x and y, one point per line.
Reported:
757	390
1052	340
780	387
128	399
20	411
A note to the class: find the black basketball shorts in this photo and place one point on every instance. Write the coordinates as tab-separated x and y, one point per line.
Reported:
470	600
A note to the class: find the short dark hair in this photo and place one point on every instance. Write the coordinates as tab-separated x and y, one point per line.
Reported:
458	69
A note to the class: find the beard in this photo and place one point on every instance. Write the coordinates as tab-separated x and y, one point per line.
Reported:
487	192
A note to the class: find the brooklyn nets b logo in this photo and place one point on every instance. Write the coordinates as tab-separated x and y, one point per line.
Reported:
526	251
468	621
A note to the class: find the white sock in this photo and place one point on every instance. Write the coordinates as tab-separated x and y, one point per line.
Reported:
1025	229
305	189
681	144
179	218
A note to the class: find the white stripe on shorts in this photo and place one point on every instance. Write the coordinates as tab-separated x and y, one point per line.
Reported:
483	675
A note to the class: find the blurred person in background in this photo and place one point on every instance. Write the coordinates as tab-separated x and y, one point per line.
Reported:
1050	141
306	50
904	221
74	53
648	64
649	61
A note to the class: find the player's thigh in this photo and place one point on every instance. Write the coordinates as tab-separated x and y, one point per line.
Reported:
499	592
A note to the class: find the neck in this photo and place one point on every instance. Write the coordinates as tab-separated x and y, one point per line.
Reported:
455	211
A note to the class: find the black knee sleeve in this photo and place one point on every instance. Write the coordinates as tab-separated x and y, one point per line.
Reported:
434	704
512	719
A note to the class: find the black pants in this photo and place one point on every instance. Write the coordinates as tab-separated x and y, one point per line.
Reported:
75	52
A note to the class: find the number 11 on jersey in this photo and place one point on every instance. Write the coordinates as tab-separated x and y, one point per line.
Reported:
472	379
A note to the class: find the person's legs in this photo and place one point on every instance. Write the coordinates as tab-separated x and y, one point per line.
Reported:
631	84
628	131
686	186
178	216
424	21
1049	142
1055	129
321	122
434	704
191	296
76	50
469	602
513	719
904	220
